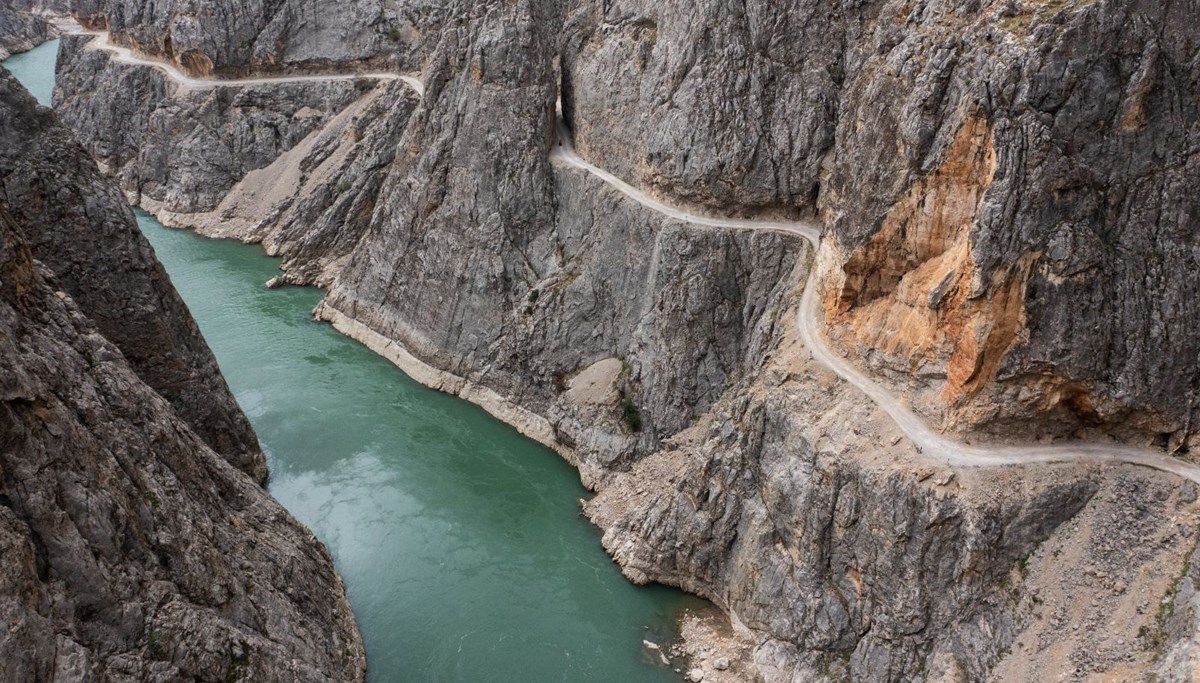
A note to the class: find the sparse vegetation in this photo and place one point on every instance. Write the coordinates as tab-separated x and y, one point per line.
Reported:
631	415
154	646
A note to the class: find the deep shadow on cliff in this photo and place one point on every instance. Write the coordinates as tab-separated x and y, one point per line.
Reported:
132	550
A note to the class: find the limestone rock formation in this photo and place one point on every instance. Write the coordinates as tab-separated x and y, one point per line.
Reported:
77	221
22	28
296	166
1003	183
226	37
131	550
1005	189
524	274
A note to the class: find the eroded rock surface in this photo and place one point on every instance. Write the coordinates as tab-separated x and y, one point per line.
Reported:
229	37
78	224
131	549
24	26
1004	183
1009	243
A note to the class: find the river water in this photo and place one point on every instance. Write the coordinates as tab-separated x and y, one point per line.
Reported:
460	541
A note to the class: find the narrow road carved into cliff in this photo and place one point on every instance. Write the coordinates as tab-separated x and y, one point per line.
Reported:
100	40
809	319
931	443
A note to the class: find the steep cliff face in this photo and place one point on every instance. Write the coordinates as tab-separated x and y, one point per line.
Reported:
728	105
183	147
1022	216
132	550
225	37
78	222
843	554
520	276
1004	193
22	28
295	165
1003	183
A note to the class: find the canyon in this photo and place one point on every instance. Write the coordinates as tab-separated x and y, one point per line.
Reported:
138	541
862	321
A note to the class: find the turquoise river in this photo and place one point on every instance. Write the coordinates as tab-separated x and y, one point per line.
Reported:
461	542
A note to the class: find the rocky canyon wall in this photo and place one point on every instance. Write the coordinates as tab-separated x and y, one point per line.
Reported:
132	550
217	37
1008	243
75	219
23	24
1003	183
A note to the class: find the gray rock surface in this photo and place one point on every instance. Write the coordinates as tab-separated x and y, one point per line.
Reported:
230	37
727	105
1006	193
185	147
131	550
1053	151
992	175
522	275
78	223
22	28
296	166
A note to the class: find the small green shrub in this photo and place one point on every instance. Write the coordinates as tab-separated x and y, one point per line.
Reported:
631	415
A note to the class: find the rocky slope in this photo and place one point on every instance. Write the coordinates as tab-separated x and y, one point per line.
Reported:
132	550
76	220
1003	187
22	27
219	37
1003	183
296	166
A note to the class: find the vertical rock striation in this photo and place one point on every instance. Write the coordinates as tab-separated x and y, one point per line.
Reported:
1003	183
24	24
131	550
1006	190
78	223
230	37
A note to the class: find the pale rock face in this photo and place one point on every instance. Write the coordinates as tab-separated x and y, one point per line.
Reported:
131	549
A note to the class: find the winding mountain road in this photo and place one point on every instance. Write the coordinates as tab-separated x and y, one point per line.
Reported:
100	40
930	442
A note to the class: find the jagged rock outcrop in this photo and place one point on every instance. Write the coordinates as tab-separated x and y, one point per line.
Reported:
181	147
845	555
131	550
1022	216
296	166
22	28
728	105
993	176
230	37
76	221
1004	188
520	275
